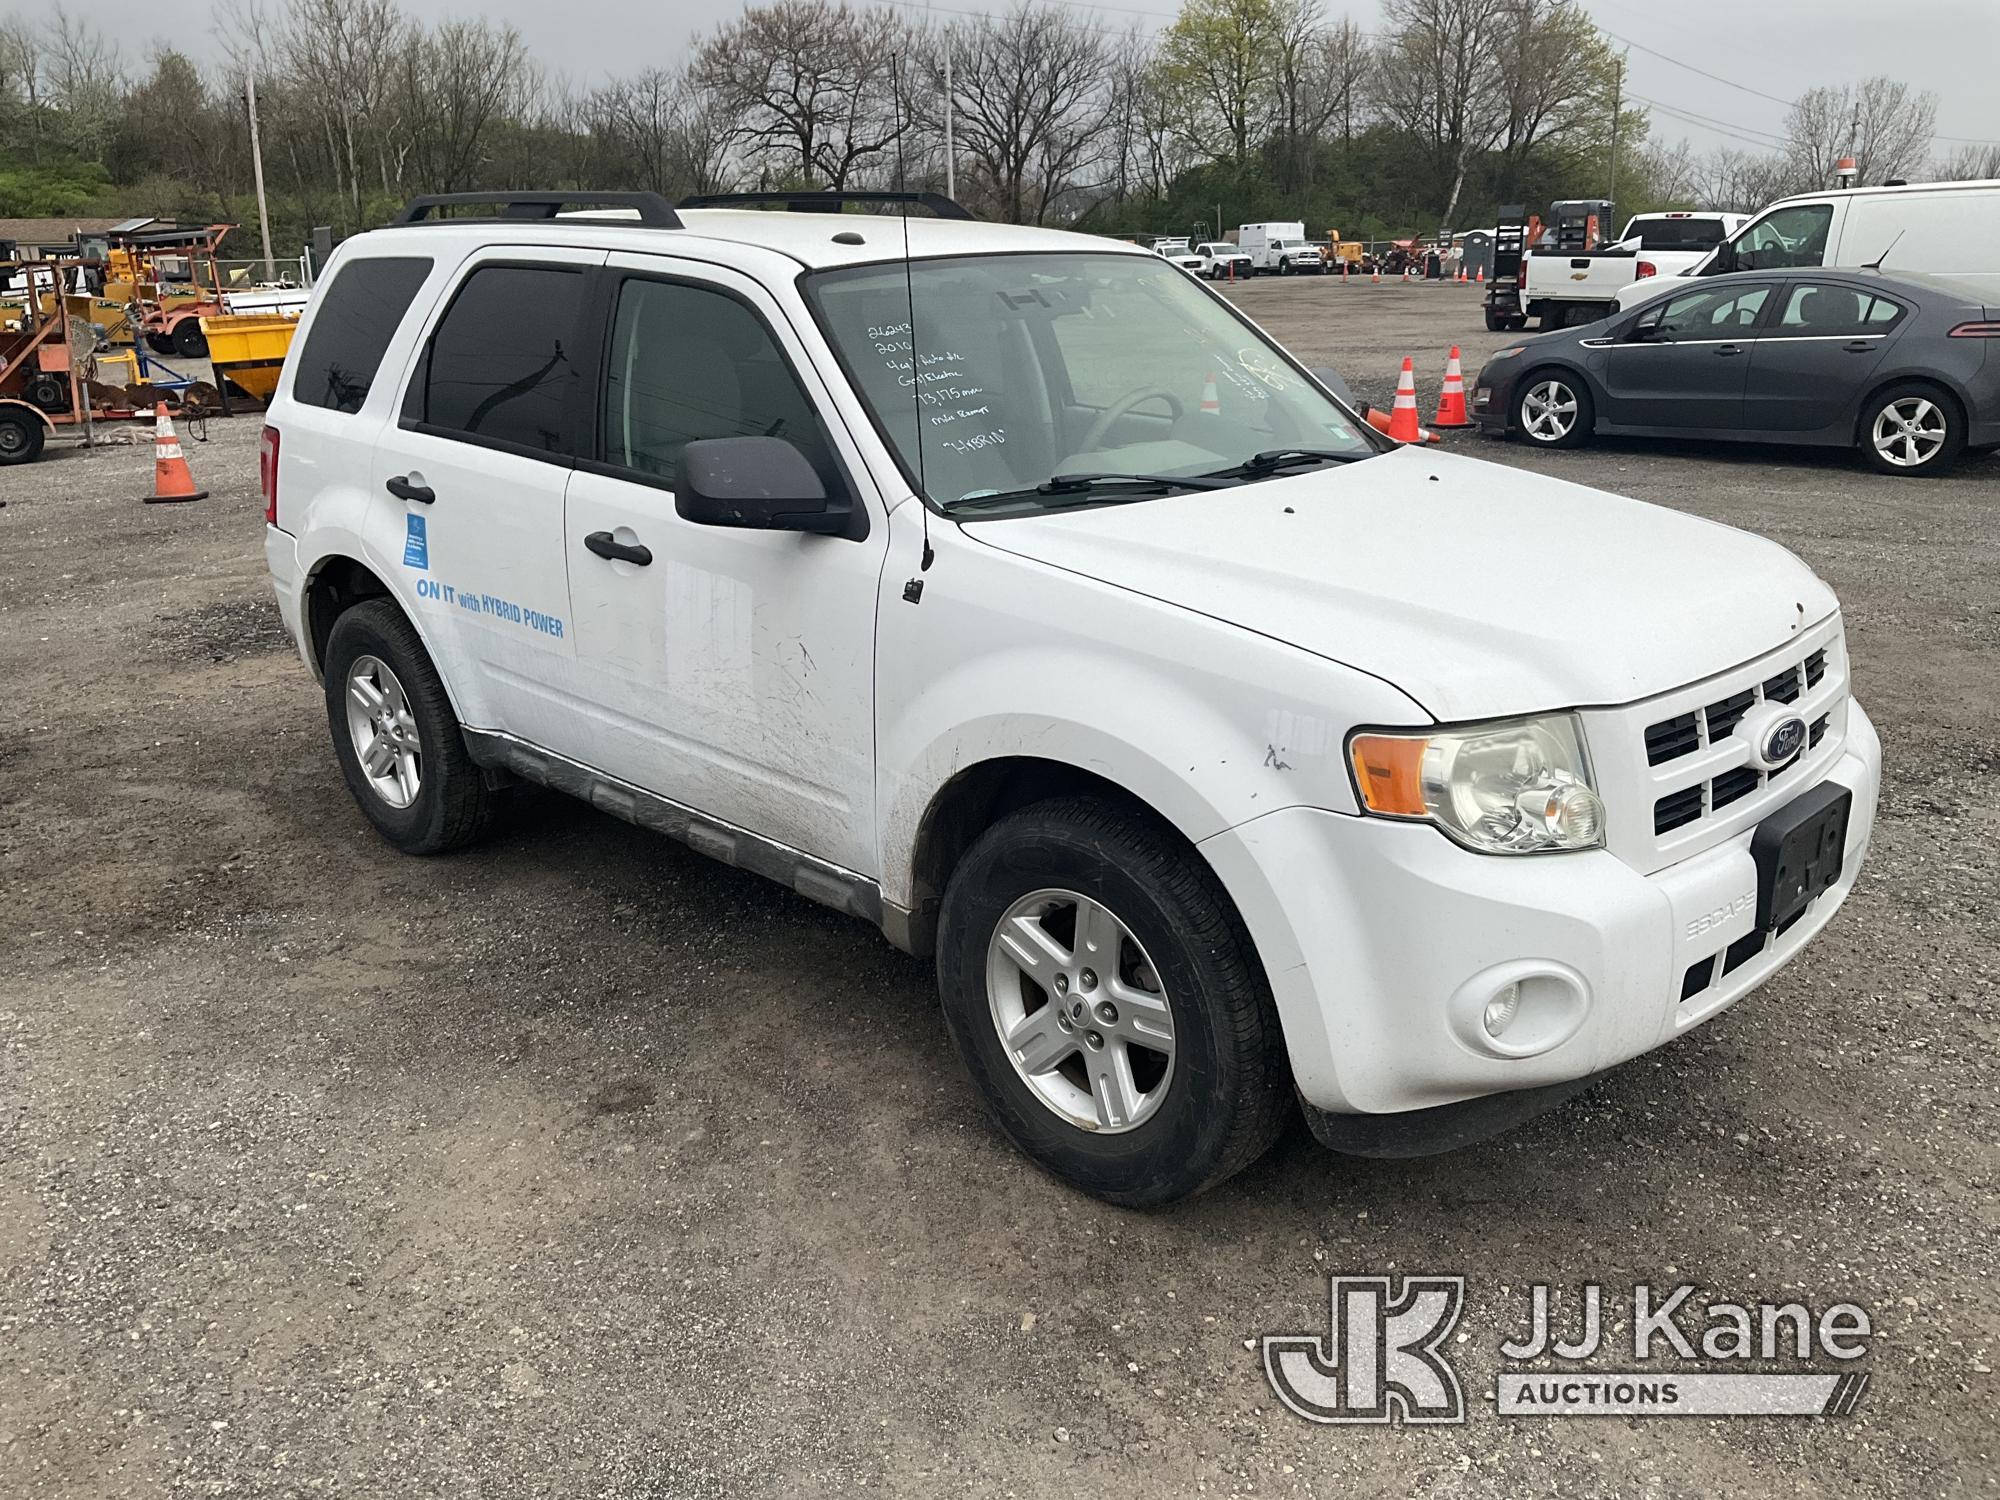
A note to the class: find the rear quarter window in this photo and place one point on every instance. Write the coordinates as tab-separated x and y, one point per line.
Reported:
357	314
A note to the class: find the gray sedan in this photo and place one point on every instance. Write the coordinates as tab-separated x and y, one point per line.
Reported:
1906	368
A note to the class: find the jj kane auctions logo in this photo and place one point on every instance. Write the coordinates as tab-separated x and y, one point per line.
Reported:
1383	1356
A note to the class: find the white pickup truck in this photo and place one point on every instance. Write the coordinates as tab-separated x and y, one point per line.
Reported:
1562	287
1013	592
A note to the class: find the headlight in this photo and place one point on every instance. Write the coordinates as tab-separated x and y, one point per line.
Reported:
1518	787
1515	352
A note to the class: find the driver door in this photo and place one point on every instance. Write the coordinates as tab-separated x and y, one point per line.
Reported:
1684	364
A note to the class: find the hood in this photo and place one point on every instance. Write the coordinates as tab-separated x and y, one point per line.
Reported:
1479	590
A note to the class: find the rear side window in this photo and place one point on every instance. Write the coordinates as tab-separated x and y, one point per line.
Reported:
358	314
502	365
1817	311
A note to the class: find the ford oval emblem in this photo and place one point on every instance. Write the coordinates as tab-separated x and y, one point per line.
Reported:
1783	740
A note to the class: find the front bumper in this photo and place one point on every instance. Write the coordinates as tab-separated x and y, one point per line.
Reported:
1382	942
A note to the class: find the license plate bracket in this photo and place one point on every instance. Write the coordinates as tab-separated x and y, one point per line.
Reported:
1799	851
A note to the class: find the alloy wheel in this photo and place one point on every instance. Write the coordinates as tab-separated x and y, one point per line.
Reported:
1548	411
384	731
1080	1011
1909	431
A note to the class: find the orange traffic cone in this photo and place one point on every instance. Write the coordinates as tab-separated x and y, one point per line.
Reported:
173	482
1403	415
1375	277
1451	400
1211	404
1380	422
1480	276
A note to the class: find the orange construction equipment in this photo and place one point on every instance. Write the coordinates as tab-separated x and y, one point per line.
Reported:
1211	404
1451	400
1402	416
173	482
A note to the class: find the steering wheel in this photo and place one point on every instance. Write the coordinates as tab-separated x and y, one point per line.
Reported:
1123	405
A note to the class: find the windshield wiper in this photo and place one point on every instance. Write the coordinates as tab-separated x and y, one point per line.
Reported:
1074	484
1273	459
1084	485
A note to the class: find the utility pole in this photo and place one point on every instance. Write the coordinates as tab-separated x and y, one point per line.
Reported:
257	165
950	108
1617	106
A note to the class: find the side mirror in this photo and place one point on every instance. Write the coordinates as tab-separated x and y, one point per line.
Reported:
760	483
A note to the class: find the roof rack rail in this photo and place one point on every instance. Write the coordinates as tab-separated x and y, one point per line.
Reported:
654	211
823	202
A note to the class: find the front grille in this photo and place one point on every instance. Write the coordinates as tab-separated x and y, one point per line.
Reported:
1676	808
1672	738
1733	786
1706	730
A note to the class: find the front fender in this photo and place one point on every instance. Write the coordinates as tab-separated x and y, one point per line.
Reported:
1207	723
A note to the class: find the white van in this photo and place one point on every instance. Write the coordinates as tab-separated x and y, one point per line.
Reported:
1943	228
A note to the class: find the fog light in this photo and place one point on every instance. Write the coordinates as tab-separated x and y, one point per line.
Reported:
1501	1009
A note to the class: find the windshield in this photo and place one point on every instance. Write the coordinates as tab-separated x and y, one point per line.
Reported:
1026	367
1677	234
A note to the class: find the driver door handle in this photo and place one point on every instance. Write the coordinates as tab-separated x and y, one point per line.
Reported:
402	489
1726	350
604	544
1859	346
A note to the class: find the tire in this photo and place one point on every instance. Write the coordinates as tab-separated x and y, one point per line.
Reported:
159	343
1495	322
1911	430
189	341
21	436
1539	413
1197	1111
451	805
1284	268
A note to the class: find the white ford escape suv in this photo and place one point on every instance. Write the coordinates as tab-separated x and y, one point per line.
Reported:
1022	597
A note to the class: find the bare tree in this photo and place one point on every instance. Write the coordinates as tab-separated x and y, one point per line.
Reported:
664	133
1027	101
809	85
457	83
1882	124
1971	162
1438	79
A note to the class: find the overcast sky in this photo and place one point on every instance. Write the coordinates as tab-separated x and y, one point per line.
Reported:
1775	47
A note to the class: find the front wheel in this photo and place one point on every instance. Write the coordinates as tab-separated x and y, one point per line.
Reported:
1284	268
1913	430
20	437
1108	1003
189	341
1553	410
396	735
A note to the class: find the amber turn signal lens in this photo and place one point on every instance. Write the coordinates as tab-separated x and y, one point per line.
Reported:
1388	770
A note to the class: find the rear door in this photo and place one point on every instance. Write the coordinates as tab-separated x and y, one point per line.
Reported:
478	459
1814	354
1685	363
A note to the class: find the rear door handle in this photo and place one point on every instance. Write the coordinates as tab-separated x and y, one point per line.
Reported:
604	544
1729	349
402	489
1859	346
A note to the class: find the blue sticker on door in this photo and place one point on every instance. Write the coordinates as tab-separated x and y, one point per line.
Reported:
416	545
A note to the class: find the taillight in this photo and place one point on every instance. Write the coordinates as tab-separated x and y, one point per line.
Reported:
1976	331
1647	268
267	473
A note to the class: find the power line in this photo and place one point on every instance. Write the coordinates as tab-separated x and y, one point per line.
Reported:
1958	140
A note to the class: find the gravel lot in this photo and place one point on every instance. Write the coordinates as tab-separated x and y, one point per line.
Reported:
579	1165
